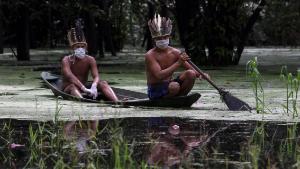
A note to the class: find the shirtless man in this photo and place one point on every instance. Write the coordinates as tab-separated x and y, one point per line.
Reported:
162	61
76	68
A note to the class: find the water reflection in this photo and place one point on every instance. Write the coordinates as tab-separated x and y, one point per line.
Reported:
80	132
149	142
173	148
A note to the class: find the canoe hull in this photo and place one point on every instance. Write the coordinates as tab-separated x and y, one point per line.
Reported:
127	97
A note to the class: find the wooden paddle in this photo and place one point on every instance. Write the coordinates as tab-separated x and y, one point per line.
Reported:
232	102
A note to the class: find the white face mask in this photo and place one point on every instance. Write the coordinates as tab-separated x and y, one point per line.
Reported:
79	52
162	44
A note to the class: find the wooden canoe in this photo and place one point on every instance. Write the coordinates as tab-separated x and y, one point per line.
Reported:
127	97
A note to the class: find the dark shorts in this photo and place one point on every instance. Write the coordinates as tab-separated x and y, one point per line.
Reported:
177	80
159	90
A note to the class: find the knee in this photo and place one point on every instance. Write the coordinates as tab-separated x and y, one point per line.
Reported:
190	74
70	88
73	90
103	84
174	88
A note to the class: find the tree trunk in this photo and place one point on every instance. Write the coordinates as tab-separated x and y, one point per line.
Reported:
91	33
147	33
164	9
50	27
1	32
101	38
131	30
23	34
116	32
219	36
246	31
104	29
108	38
192	40
149	40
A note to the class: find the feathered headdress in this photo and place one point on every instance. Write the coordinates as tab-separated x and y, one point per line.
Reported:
160	26
76	35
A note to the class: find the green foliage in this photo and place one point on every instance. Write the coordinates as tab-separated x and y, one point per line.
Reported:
281	23
6	139
49	146
221	27
217	26
58	108
291	144
259	135
254	151
255	76
292	87
256	145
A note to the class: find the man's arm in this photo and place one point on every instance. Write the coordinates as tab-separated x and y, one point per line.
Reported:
156	70
188	66
94	71
67	73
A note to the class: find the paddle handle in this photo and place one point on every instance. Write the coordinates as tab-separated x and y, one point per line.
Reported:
203	75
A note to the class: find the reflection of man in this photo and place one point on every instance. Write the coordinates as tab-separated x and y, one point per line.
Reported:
163	60
172	149
76	68
80	133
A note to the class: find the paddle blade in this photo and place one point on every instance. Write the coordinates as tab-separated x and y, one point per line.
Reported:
234	103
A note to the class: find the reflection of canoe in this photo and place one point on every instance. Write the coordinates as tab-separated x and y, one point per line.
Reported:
127	97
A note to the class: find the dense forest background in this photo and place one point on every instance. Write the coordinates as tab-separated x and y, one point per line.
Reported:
213	32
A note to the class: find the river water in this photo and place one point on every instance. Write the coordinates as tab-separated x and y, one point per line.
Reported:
149	142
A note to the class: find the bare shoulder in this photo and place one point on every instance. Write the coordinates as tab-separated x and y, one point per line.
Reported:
174	50
65	59
91	59
149	54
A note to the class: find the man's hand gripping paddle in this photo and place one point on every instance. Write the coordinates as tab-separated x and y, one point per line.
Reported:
233	103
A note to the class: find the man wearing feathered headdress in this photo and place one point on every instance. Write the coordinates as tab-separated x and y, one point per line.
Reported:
76	68
163	60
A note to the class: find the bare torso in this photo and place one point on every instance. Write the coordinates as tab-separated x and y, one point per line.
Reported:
79	68
164	59
75	73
